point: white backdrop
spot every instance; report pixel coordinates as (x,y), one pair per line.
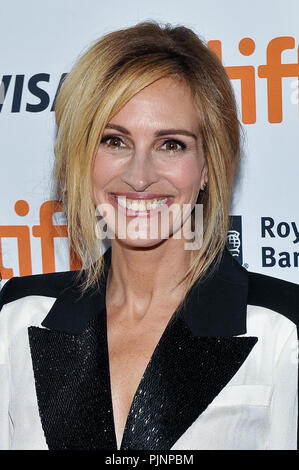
(40,41)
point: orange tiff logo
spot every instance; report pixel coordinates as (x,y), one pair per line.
(273,71)
(46,231)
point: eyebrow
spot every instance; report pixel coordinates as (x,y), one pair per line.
(157,133)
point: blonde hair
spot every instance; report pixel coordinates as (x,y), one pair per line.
(103,80)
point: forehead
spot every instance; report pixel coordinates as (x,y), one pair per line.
(166,101)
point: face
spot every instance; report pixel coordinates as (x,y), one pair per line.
(150,163)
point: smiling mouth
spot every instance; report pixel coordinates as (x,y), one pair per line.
(140,205)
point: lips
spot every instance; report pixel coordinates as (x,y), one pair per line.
(141,195)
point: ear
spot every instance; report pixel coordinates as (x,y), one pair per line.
(204,175)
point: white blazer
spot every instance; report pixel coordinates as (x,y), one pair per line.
(224,374)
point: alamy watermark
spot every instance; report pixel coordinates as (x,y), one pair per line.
(154,224)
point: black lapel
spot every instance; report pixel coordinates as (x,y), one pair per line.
(183,377)
(71,370)
(73,386)
(196,357)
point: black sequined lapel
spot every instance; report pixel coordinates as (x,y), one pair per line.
(183,377)
(73,386)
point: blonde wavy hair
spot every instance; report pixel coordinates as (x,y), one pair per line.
(102,81)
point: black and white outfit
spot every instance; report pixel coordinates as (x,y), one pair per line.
(224,374)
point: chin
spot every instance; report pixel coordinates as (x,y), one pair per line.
(140,242)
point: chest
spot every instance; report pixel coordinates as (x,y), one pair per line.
(130,350)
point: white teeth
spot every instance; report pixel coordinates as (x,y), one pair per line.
(140,205)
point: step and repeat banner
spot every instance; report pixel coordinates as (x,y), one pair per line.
(258,43)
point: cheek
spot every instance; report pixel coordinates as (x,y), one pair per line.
(103,172)
(187,176)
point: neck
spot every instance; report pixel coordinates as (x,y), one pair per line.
(143,279)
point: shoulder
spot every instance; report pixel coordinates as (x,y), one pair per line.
(277,295)
(273,316)
(26,301)
(45,285)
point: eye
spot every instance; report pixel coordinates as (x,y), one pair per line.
(173,145)
(116,141)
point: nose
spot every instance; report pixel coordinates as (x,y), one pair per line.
(140,172)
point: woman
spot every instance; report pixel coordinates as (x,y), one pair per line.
(165,341)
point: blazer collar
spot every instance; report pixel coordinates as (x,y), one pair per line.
(216,306)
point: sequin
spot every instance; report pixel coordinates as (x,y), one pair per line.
(178,385)
(72,385)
